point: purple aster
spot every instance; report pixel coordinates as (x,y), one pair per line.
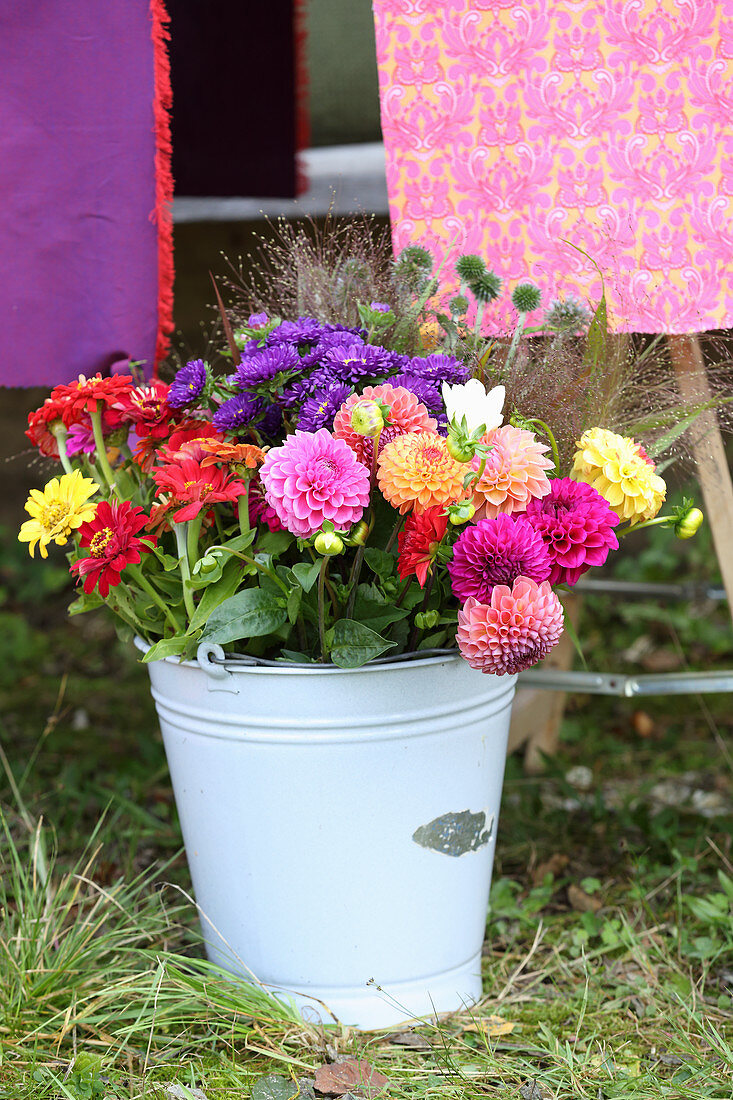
(425,390)
(380,307)
(257,320)
(440,368)
(265,364)
(188,384)
(355,361)
(306,330)
(338,338)
(576,525)
(497,551)
(271,421)
(238,412)
(319,410)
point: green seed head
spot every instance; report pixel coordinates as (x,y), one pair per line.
(526,297)
(469,268)
(487,287)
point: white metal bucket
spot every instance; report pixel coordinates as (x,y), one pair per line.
(340,825)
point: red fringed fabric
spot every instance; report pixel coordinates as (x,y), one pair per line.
(162,215)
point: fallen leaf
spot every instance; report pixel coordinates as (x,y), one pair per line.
(554,866)
(643,723)
(582,902)
(352,1075)
(490,1026)
(408,1039)
(272,1087)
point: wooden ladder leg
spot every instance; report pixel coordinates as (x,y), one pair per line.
(709,453)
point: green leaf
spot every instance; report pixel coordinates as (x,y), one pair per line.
(84,602)
(250,614)
(166,647)
(670,437)
(274,1087)
(306,574)
(293,605)
(373,608)
(217,593)
(166,560)
(354,644)
(296,656)
(273,542)
(380,562)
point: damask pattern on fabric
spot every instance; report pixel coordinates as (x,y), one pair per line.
(513,128)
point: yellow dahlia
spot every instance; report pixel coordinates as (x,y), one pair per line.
(619,470)
(55,512)
(416,470)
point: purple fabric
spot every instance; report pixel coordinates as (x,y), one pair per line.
(77,188)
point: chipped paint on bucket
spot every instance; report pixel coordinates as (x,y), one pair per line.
(315,805)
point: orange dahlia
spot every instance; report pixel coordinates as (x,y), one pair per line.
(514,473)
(416,470)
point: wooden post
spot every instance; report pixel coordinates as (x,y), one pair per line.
(709,453)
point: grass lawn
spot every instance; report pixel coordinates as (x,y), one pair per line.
(608,960)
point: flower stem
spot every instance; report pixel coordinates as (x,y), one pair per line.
(666,521)
(101,451)
(354,580)
(192,539)
(136,572)
(243,510)
(322,608)
(393,536)
(416,630)
(179,530)
(60,433)
(515,340)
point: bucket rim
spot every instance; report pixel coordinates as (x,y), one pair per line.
(233,666)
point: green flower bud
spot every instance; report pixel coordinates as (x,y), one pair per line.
(460,447)
(328,543)
(469,268)
(458,305)
(209,563)
(526,297)
(688,524)
(461,512)
(486,288)
(426,620)
(360,533)
(367,418)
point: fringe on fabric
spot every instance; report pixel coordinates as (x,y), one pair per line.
(300,90)
(162,215)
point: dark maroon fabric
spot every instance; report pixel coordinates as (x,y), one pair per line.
(79,252)
(233,78)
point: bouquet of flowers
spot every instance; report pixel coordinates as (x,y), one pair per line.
(335,492)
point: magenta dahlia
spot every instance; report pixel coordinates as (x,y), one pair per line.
(497,551)
(512,632)
(576,525)
(312,478)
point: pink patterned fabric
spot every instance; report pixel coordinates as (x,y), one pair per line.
(513,127)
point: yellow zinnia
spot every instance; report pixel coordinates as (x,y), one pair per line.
(618,469)
(57,511)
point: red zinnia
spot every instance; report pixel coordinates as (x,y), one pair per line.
(39,427)
(146,408)
(188,484)
(112,543)
(87,395)
(188,441)
(418,542)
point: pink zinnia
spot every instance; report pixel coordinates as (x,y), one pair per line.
(497,551)
(514,631)
(312,478)
(406,414)
(576,525)
(514,473)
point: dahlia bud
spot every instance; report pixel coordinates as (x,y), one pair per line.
(328,543)
(360,533)
(461,512)
(688,524)
(367,418)
(460,447)
(526,297)
(426,620)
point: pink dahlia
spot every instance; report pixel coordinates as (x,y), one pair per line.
(497,551)
(314,477)
(406,414)
(512,632)
(576,525)
(514,473)
(259,510)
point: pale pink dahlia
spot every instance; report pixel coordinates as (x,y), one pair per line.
(514,473)
(576,525)
(406,414)
(497,551)
(314,477)
(512,632)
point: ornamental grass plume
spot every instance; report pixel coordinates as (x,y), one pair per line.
(112,542)
(417,471)
(517,628)
(406,414)
(576,525)
(312,478)
(514,472)
(614,466)
(497,551)
(57,511)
